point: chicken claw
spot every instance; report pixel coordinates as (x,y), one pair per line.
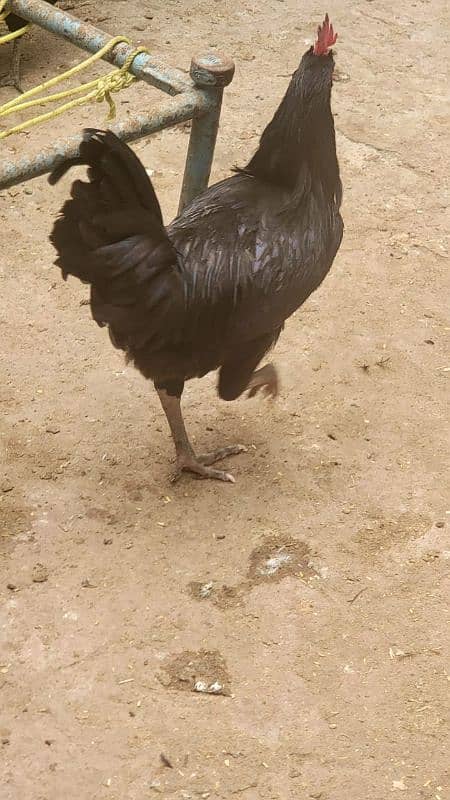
(266,379)
(200,465)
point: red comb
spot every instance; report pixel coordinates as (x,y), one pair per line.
(326,37)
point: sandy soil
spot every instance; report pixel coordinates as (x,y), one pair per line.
(310,596)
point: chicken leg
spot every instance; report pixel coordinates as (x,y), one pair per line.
(12,78)
(186,458)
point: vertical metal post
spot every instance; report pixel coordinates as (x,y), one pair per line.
(210,74)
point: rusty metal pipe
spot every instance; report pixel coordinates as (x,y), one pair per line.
(210,74)
(169,112)
(88,37)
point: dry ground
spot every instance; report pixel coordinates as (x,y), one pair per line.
(313,592)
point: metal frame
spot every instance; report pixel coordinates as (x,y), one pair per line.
(198,97)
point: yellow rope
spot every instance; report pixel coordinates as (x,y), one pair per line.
(97,90)
(15,34)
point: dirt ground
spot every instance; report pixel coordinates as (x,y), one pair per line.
(283,638)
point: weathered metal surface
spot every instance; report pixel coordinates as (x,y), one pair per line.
(199,98)
(169,112)
(92,39)
(201,150)
(211,72)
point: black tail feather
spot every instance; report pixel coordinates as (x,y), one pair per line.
(110,234)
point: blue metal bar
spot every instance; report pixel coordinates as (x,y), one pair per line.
(200,99)
(210,74)
(200,151)
(170,112)
(92,39)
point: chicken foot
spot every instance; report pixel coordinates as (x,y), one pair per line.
(186,459)
(12,78)
(266,379)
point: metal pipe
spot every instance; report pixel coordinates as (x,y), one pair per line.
(210,74)
(169,112)
(92,39)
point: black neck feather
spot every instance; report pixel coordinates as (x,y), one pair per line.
(301,134)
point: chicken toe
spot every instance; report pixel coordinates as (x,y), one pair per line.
(191,464)
(223,452)
(265,379)
(200,465)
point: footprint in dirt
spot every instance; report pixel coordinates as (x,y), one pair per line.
(381,533)
(275,559)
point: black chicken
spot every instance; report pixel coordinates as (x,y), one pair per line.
(12,78)
(213,290)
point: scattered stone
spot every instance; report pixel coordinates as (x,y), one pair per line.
(211,688)
(202,671)
(40,573)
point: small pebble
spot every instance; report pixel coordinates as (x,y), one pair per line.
(12,587)
(341,76)
(40,573)
(166,761)
(208,688)
(440,524)
(220,536)
(7,486)
(107,541)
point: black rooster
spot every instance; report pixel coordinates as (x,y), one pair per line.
(12,78)
(213,290)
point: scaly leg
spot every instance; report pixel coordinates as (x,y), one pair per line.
(13,76)
(265,378)
(186,458)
